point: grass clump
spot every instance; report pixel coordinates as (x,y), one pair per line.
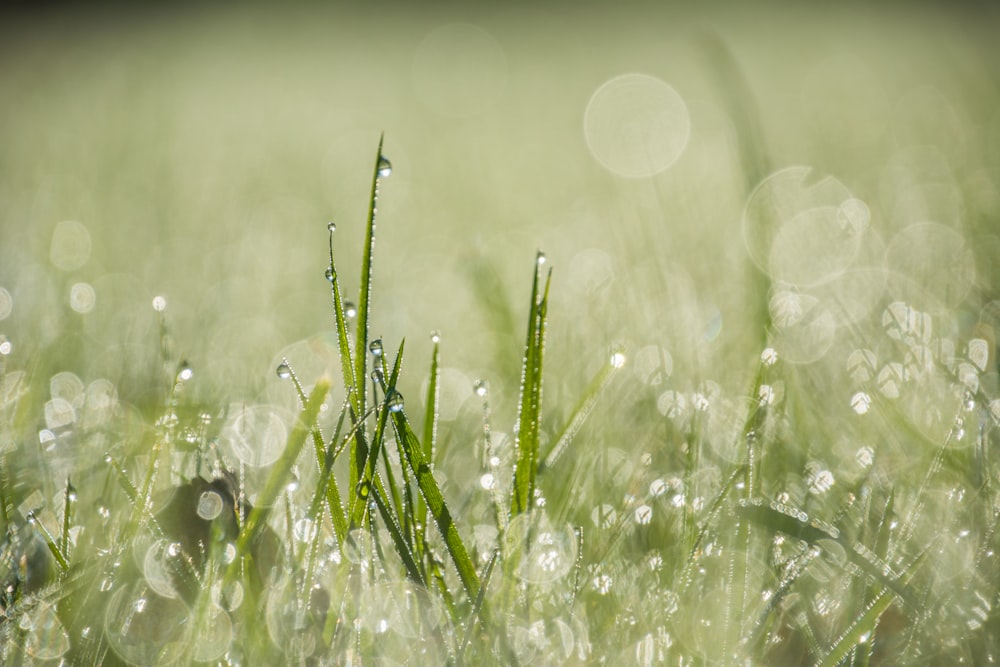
(239,535)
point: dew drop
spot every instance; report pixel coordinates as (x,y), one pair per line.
(861,365)
(331,226)
(979,352)
(304,530)
(487,481)
(604,516)
(384,166)
(185,372)
(283,370)
(480,387)
(657,488)
(643,515)
(209,505)
(769,356)
(602,584)
(617,360)
(394,400)
(82,298)
(159,304)
(5,346)
(350,310)
(375,347)
(435,336)
(861,402)
(330,275)
(540,258)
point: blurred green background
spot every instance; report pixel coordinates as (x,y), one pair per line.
(198,153)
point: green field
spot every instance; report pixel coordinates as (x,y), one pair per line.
(748,418)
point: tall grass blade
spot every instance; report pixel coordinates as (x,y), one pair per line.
(365,298)
(530,408)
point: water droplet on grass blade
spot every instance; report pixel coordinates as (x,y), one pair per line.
(350,310)
(384,166)
(209,505)
(375,347)
(487,481)
(617,359)
(329,274)
(480,387)
(394,400)
(185,372)
(643,515)
(5,346)
(435,336)
(861,402)
(331,226)
(159,304)
(283,370)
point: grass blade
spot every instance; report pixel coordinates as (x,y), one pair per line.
(478,606)
(530,408)
(412,452)
(364,303)
(580,413)
(282,468)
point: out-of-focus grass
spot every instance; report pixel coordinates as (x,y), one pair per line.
(795,463)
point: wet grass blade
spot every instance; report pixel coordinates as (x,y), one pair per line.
(365,295)
(329,482)
(412,453)
(398,539)
(430,430)
(282,469)
(530,407)
(478,606)
(583,409)
(863,626)
(359,504)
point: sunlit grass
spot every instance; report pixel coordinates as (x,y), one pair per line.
(743,410)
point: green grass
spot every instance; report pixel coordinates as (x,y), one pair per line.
(700,458)
(546,566)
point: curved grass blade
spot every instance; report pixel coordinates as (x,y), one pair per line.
(412,452)
(530,402)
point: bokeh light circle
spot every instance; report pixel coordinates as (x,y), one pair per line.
(459,70)
(82,297)
(930,266)
(71,245)
(636,125)
(802,228)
